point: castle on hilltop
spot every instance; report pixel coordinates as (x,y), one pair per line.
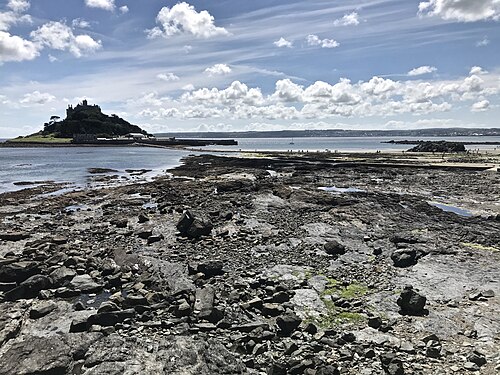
(83,106)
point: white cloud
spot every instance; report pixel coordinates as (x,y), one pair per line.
(477,70)
(188,87)
(52,58)
(187,48)
(377,97)
(426,69)
(18,6)
(183,18)
(37,98)
(101,4)
(124,9)
(15,48)
(461,10)
(9,18)
(483,42)
(59,36)
(282,42)
(287,91)
(314,40)
(167,77)
(80,23)
(350,19)
(480,106)
(218,69)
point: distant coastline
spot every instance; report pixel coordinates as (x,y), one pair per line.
(428,132)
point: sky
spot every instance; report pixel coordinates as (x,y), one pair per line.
(238,65)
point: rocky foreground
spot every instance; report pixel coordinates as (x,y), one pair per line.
(258,266)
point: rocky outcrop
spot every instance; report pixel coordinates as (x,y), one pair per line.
(438,146)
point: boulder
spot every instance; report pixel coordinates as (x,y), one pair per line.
(29,288)
(18,272)
(334,248)
(108,319)
(211,268)
(288,323)
(193,225)
(411,303)
(62,276)
(204,303)
(404,258)
(84,283)
(391,364)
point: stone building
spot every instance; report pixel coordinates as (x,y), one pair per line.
(83,106)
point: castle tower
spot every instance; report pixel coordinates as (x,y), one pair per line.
(84,103)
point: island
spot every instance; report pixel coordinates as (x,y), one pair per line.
(86,124)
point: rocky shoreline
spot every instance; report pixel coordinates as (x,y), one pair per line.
(256,265)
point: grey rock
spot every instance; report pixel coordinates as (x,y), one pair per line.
(62,276)
(204,302)
(41,309)
(84,283)
(37,355)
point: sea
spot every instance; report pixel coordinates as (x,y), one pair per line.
(71,165)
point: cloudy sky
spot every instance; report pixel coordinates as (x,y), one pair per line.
(252,65)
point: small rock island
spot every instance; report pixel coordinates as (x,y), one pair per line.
(86,124)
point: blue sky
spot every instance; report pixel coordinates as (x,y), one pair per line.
(252,65)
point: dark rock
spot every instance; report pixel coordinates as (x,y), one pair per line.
(193,225)
(477,357)
(211,268)
(78,325)
(110,318)
(18,272)
(119,223)
(29,288)
(135,300)
(411,302)
(328,370)
(404,257)
(272,309)
(143,218)
(144,234)
(108,306)
(13,236)
(153,239)
(334,248)
(288,323)
(42,309)
(4,287)
(438,146)
(79,306)
(391,364)
(374,321)
(184,309)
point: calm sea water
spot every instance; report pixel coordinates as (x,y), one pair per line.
(342,143)
(70,164)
